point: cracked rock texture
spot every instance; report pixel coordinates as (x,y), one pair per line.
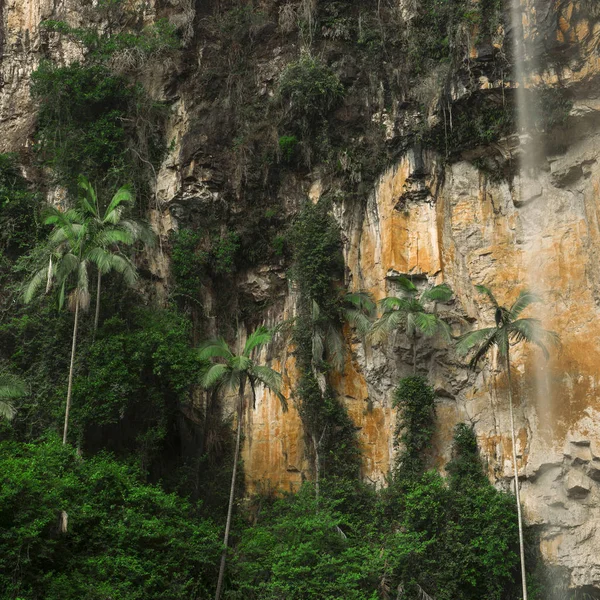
(437,222)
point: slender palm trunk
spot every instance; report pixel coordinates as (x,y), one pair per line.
(516,475)
(317,468)
(70,386)
(240,411)
(97,315)
(414,345)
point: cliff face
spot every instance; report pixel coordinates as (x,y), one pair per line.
(434,219)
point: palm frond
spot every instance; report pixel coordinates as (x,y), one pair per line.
(140,231)
(531,330)
(114,235)
(67,265)
(241,363)
(334,346)
(258,338)
(87,196)
(472,339)
(358,309)
(393,303)
(487,292)
(387,324)
(318,344)
(11,387)
(358,320)
(7,410)
(425,323)
(214,376)
(268,377)
(271,379)
(36,282)
(444,329)
(439,293)
(525,299)
(486,345)
(362,301)
(122,195)
(406,285)
(61,296)
(216,348)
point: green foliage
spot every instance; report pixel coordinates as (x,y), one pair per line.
(435,32)
(454,538)
(19,226)
(287,147)
(310,90)
(477,123)
(125,539)
(188,262)
(196,254)
(468,528)
(157,38)
(318,263)
(224,252)
(93,122)
(138,372)
(317,251)
(301,551)
(415,401)
(554,106)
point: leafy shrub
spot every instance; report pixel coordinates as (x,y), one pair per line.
(188,262)
(90,119)
(415,402)
(301,551)
(287,147)
(159,37)
(138,372)
(125,539)
(310,89)
(317,249)
(18,209)
(224,251)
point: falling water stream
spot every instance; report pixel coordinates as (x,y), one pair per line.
(528,193)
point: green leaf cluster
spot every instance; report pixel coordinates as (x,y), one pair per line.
(450,538)
(19,206)
(125,540)
(415,401)
(310,90)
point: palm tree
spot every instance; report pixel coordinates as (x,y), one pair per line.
(109,230)
(408,312)
(234,371)
(74,244)
(10,388)
(68,249)
(509,329)
(354,308)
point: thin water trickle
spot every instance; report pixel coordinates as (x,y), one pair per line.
(531,205)
(529,189)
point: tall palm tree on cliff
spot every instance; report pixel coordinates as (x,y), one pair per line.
(328,344)
(234,371)
(408,312)
(74,245)
(110,231)
(509,329)
(10,388)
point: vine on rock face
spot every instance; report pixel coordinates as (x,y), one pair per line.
(318,264)
(415,400)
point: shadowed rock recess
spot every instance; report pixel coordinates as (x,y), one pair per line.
(419,158)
